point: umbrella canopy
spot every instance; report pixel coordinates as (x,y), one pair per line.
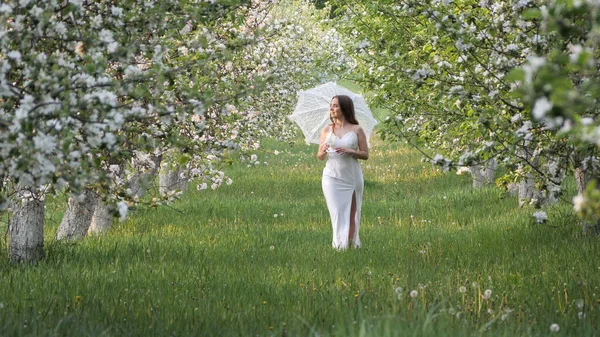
(312,110)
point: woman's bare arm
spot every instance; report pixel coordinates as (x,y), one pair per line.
(323,146)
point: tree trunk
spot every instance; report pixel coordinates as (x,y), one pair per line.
(513,189)
(102,219)
(490,170)
(483,174)
(478,179)
(26,228)
(170,180)
(591,229)
(141,182)
(78,217)
(528,194)
(582,179)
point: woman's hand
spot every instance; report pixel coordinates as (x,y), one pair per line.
(323,148)
(345,150)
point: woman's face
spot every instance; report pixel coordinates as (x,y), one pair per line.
(334,109)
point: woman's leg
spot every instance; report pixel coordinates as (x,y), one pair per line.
(352,220)
(336,196)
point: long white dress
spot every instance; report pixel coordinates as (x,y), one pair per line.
(342,177)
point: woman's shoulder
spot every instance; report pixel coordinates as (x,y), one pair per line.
(358,128)
(326,128)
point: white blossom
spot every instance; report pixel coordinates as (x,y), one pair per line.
(112,47)
(540,216)
(60,28)
(106,36)
(97,21)
(541,107)
(5,8)
(578,202)
(462,170)
(117,11)
(15,55)
(44,143)
(114,169)
(123,209)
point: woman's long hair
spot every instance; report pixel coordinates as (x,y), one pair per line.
(347,107)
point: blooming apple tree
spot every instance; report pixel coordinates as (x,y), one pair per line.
(84,85)
(462,79)
(91,92)
(299,49)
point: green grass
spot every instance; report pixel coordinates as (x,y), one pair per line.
(219,263)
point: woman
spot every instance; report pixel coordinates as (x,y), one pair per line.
(343,142)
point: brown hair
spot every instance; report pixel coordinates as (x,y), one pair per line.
(347,107)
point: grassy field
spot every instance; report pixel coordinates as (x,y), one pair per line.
(255,259)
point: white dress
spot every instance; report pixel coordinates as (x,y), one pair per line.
(342,176)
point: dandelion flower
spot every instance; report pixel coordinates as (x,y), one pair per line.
(487,294)
(414,293)
(398,290)
(554,327)
(462,289)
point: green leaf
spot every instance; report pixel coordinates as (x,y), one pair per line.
(516,74)
(184,159)
(532,14)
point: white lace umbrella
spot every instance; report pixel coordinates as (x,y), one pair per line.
(312,110)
